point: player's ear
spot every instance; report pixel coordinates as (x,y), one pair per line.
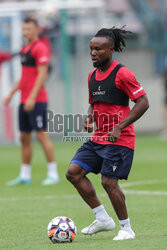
(111,49)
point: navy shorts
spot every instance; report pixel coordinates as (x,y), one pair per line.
(113,161)
(33,120)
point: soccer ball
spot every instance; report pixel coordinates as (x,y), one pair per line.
(61,229)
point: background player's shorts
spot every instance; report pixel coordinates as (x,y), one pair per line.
(113,161)
(33,120)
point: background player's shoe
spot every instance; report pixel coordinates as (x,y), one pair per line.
(19,181)
(98,226)
(50,181)
(125,235)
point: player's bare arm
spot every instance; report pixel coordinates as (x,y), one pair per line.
(140,107)
(41,78)
(88,123)
(8,98)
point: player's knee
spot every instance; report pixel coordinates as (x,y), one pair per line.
(105,184)
(24,138)
(39,136)
(109,184)
(73,174)
(70,175)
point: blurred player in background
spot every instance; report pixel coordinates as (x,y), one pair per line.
(32,115)
(110,150)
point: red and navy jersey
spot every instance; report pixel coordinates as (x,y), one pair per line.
(32,56)
(107,115)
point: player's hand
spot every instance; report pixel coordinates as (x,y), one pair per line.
(7,100)
(88,124)
(114,135)
(29,104)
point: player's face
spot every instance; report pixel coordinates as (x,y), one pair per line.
(100,51)
(30,31)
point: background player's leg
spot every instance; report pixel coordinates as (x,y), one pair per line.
(26,153)
(47,145)
(26,147)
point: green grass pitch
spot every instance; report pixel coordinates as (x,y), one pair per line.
(26,210)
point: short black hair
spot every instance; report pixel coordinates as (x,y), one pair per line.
(30,20)
(117,36)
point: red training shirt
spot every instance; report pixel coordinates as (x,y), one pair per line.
(29,73)
(125,80)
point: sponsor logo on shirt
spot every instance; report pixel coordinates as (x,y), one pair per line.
(99,92)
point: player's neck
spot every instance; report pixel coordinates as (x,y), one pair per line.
(105,67)
(31,40)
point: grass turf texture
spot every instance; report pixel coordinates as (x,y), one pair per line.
(26,210)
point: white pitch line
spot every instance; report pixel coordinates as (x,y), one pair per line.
(143,182)
(54,197)
(50,197)
(70,196)
(145,192)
